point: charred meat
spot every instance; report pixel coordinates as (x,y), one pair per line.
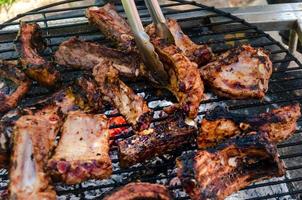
(134,191)
(80,54)
(236,163)
(112,25)
(200,54)
(129,104)
(13,85)
(239,73)
(166,136)
(34,137)
(83,149)
(220,124)
(185,81)
(34,65)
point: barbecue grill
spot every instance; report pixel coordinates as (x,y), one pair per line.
(198,21)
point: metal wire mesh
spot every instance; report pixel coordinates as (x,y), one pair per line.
(203,24)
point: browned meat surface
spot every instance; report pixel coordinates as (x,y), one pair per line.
(229,167)
(13,85)
(200,54)
(166,136)
(129,104)
(112,25)
(80,54)
(35,66)
(135,191)
(83,149)
(239,73)
(220,124)
(34,137)
(185,81)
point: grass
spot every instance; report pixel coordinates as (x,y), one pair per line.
(6,2)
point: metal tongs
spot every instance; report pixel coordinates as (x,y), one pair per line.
(147,51)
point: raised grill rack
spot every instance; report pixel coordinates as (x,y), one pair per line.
(198,22)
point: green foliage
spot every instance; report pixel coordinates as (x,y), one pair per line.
(6,2)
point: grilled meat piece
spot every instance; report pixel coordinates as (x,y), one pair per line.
(220,124)
(33,139)
(166,136)
(229,167)
(112,25)
(200,54)
(80,54)
(129,104)
(83,149)
(13,85)
(134,191)
(34,65)
(239,73)
(185,81)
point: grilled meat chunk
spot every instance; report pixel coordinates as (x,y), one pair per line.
(79,54)
(13,85)
(129,104)
(185,81)
(229,167)
(166,136)
(34,137)
(83,149)
(112,25)
(200,54)
(220,124)
(34,65)
(134,191)
(239,73)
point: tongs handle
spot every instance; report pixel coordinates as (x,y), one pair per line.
(159,20)
(147,51)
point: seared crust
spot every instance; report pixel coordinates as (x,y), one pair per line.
(35,66)
(220,124)
(239,73)
(129,104)
(231,166)
(80,54)
(200,54)
(185,81)
(34,137)
(134,191)
(83,149)
(13,85)
(112,25)
(166,136)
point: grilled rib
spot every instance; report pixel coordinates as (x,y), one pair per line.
(13,85)
(134,191)
(34,137)
(80,54)
(239,73)
(229,167)
(83,149)
(34,65)
(200,54)
(166,136)
(220,124)
(112,25)
(129,104)
(185,81)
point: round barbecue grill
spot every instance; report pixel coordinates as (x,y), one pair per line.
(203,24)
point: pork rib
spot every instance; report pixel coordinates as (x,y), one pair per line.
(134,191)
(236,163)
(34,137)
(220,124)
(34,65)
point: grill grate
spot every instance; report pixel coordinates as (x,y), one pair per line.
(203,24)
